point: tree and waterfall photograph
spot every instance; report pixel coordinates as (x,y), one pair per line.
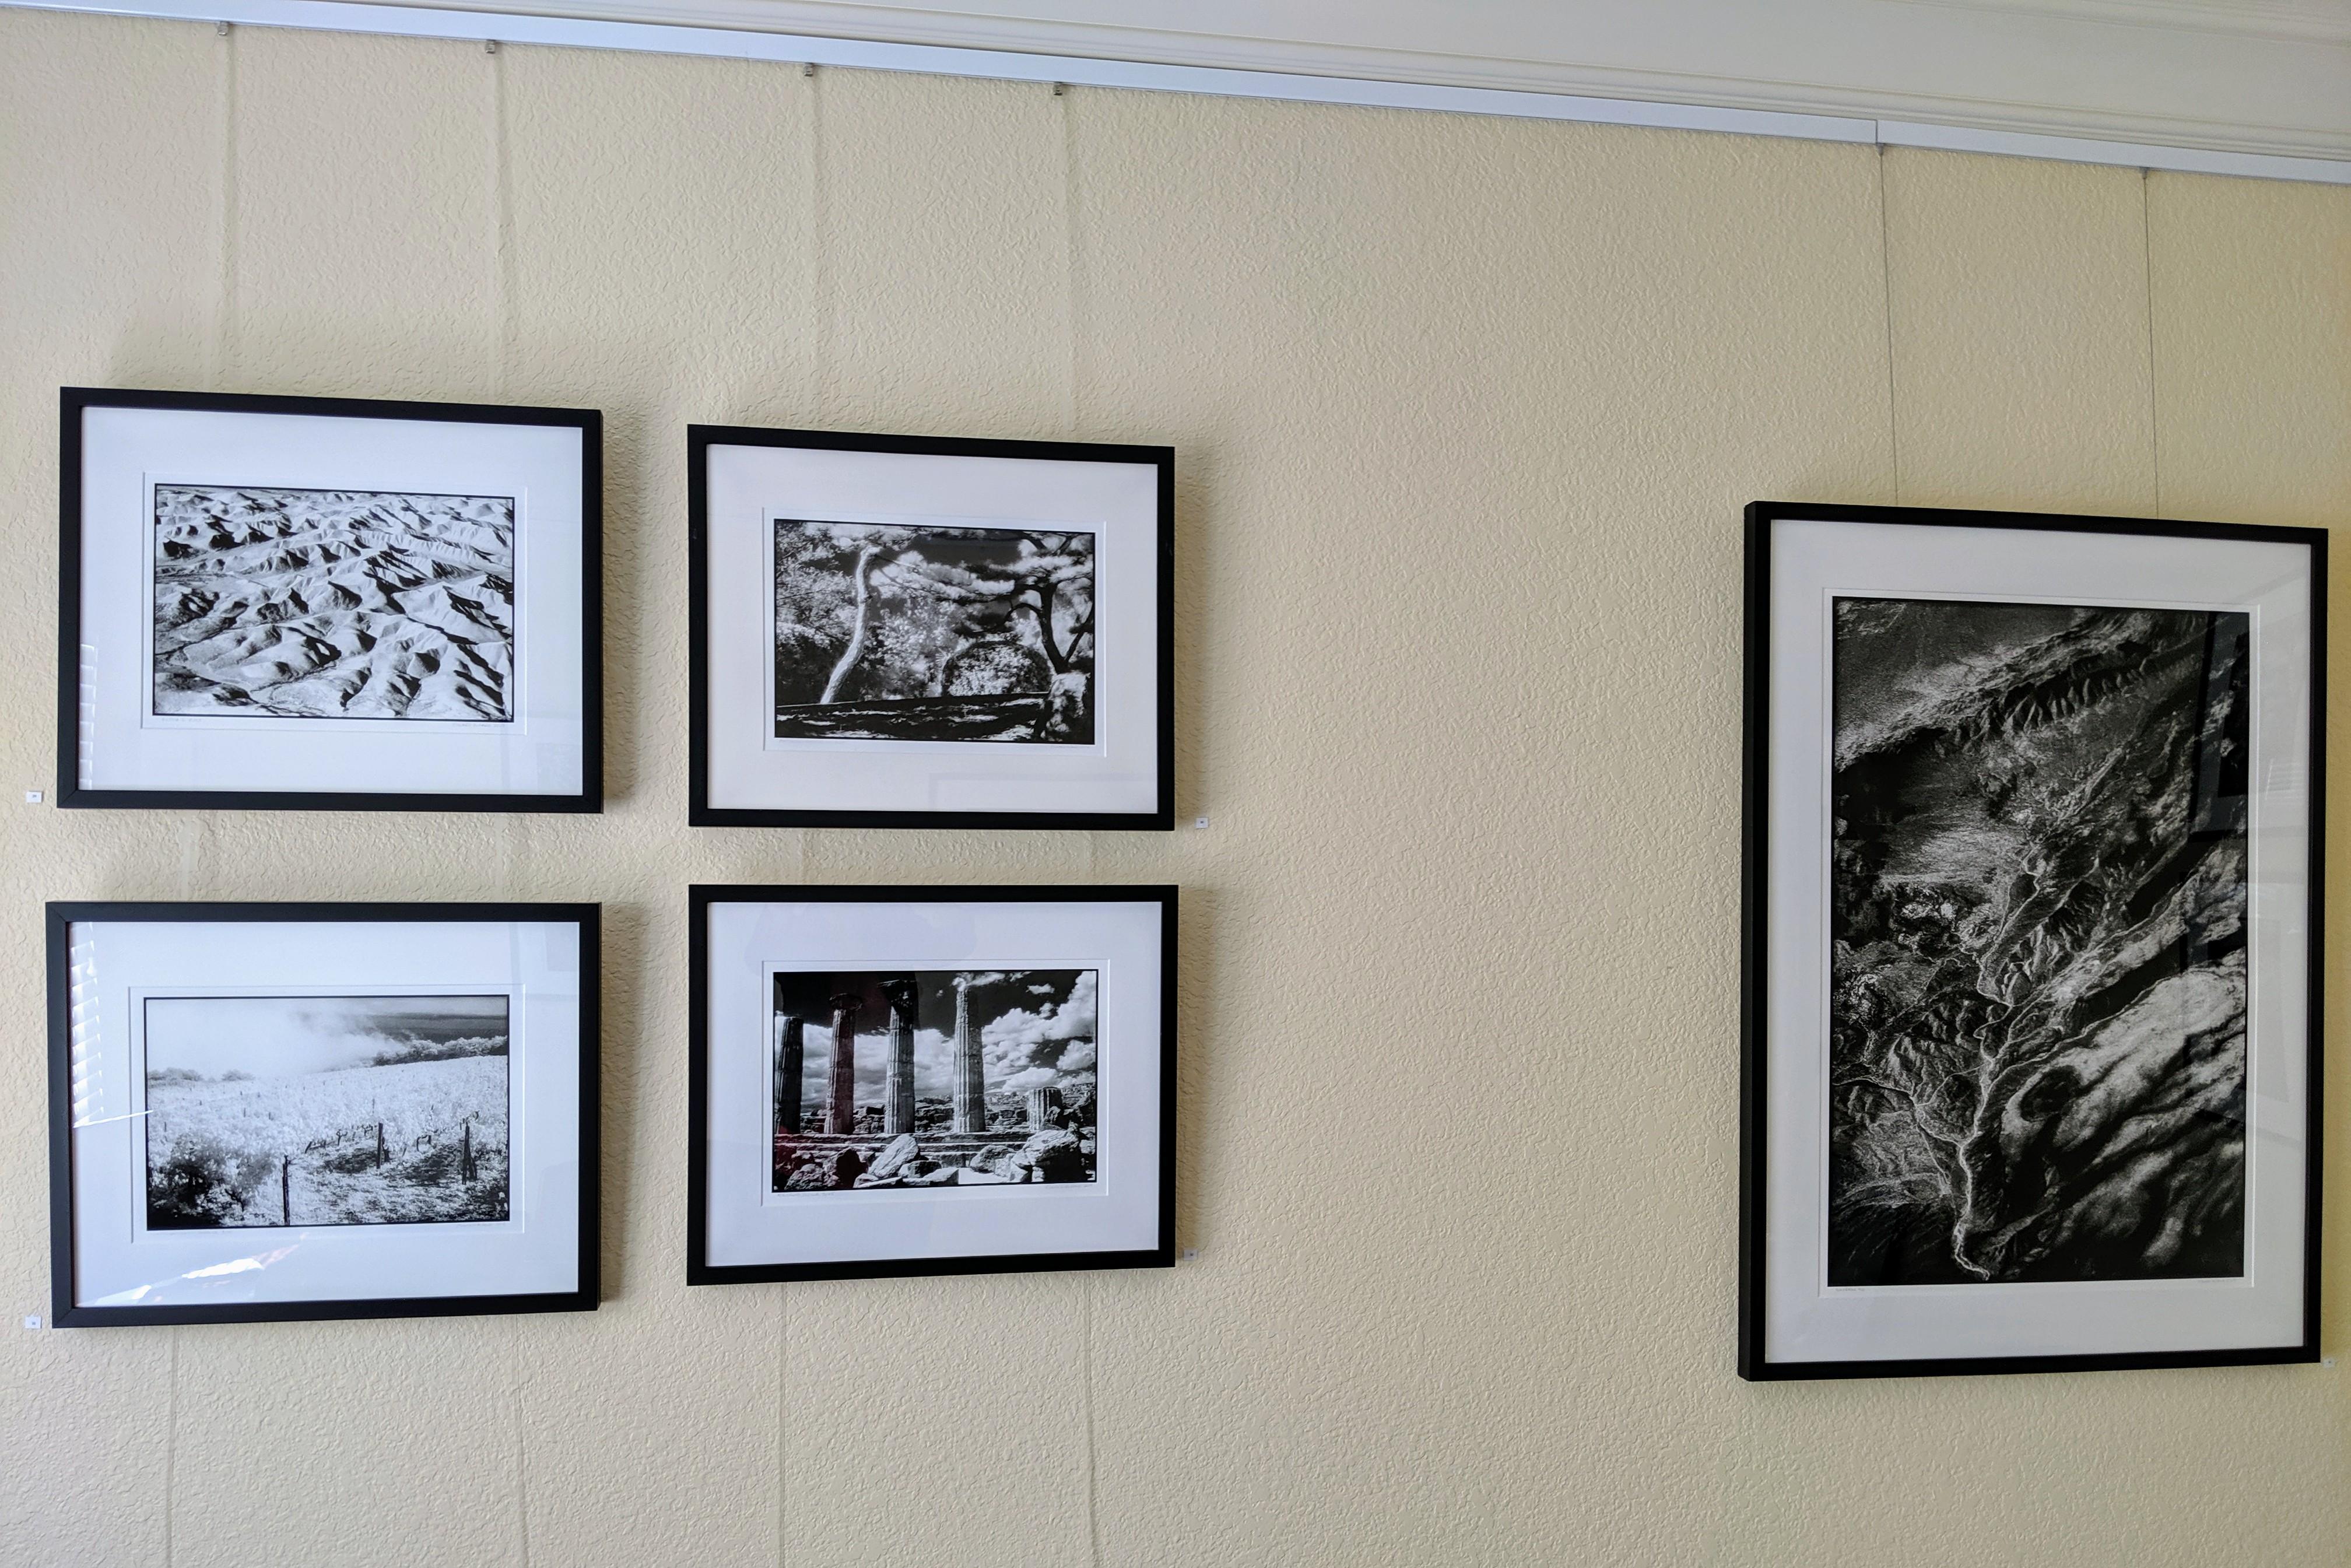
(278,1111)
(933,633)
(2038,884)
(934,1078)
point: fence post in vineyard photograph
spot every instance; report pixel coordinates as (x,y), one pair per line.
(414,1135)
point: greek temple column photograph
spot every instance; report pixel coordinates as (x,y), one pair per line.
(933,1078)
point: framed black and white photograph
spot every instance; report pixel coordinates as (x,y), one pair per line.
(930,1081)
(906,632)
(293,603)
(2033,920)
(270,1112)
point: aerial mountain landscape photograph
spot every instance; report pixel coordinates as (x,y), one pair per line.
(2039,972)
(325,604)
(922,632)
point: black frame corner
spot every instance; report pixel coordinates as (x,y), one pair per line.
(71,794)
(1754,1362)
(700,1271)
(701,813)
(64,1310)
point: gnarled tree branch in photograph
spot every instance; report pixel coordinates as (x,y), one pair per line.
(908,633)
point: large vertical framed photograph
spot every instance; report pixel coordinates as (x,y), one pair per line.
(893,630)
(894,1081)
(269,1112)
(296,603)
(2032,916)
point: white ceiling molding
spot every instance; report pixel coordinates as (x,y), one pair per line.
(2323,21)
(2259,88)
(2191,73)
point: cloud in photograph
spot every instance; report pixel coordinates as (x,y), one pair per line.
(1016,1040)
(276,1037)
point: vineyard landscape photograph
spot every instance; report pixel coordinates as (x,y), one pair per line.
(277,1111)
(907,632)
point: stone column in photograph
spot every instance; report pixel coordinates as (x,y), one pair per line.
(970,1073)
(1043,1101)
(790,1057)
(898,1092)
(840,1099)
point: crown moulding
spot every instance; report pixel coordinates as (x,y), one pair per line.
(2247,86)
(2322,21)
(2253,75)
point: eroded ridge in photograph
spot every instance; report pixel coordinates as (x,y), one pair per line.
(2038,888)
(292,1111)
(933,633)
(933,1078)
(369,604)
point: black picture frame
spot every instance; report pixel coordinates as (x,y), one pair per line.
(701,813)
(74,402)
(1754,1364)
(700,1271)
(66,1313)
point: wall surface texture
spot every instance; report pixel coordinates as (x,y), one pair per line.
(1466,411)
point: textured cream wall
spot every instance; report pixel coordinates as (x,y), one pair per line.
(1466,411)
